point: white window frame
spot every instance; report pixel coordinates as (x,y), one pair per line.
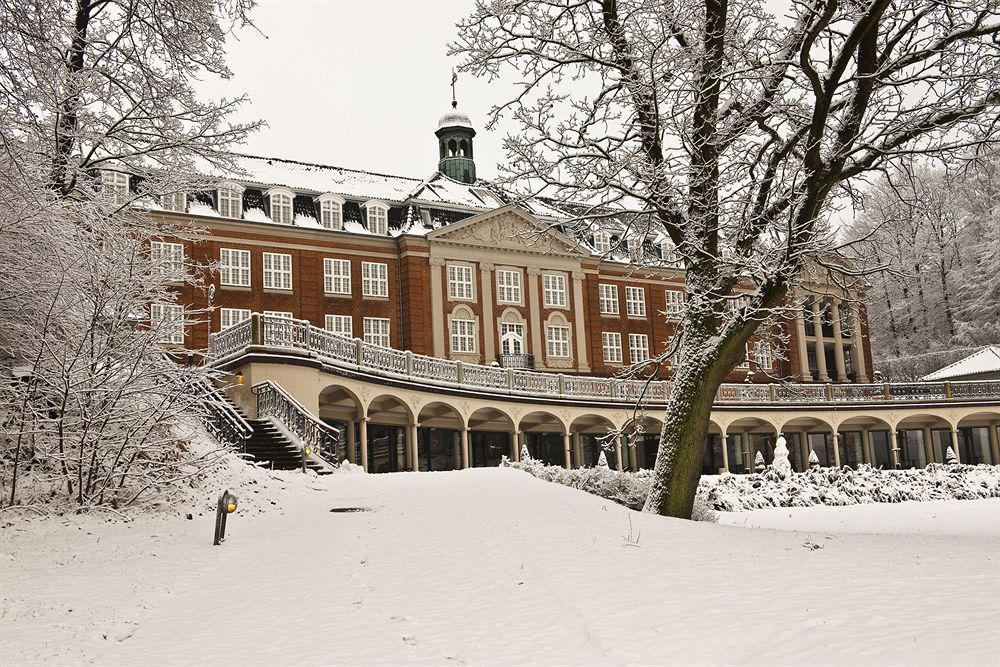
(279,313)
(168,258)
(282,212)
(377,218)
(331,211)
(635,301)
(463,336)
(173,313)
(512,330)
(375,279)
(602,241)
(557,347)
(234,273)
(607,294)
(230,200)
(638,347)
(746,357)
(611,345)
(554,290)
(763,355)
(174,201)
(116,183)
(336,275)
(339,325)
(461,283)
(277,271)
(376,331)
(668,251)
(509,286)
(674,304)
(229,317)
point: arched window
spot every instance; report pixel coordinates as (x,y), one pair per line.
(281,205)
(378,217)
(557,337)
(331,211)
(230,197)
(462,324)
(512,328)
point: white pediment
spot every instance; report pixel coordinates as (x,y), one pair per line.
(508,228)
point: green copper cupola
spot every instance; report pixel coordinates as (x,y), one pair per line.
(455,133)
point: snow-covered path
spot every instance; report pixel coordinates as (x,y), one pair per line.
(492,566)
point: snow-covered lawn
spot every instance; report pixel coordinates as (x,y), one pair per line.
(492,566)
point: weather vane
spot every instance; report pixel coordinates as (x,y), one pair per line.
(454,78)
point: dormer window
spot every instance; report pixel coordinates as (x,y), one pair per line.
(378,218)
(230,200)
(281,205)
(115,184)
(602,241)
(175,201)
(668,251)
(331,211)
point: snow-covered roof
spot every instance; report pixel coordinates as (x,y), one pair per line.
(986,360)
(440,189)
(455,118)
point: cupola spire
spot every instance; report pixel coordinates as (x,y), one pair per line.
(455,134)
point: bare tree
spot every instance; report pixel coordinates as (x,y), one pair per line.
(735,133)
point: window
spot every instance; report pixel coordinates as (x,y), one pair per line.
(602,241)
(374,279)
(763,355)
(675,304)
(511,338)
(557,341)
(746,357)
(377,331)
(278,313)
(611,342)
(737,305)
(459,281)
(341,325)
(167,322)
(331,212)
(635,301)
(168,258)
(277,271)
(115,184)
(378,218)
(281,206)
(638,347)
(508,286)
(230,201)
(635,247)
(234,267)
(336,276)
(609,299)
(555,290)
(668,251)
(175,201)
(463,336)
(232,316)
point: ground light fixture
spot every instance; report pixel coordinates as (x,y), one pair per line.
(227,505)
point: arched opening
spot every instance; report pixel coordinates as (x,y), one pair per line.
(747,437)
(865,439)
(640,441)
(463,149)
(442,147)
(388,419)
(713,461)
(545,436)
(978,439)
(341,407)
(591,435)
(452,148)
(804,435)
(491,437)
(922,439)
(439,437)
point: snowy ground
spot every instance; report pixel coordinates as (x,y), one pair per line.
(492,566)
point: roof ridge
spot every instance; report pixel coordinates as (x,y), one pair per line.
(991,349)
(325,166)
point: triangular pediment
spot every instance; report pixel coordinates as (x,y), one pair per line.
(508,228)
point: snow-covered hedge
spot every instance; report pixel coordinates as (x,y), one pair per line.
(844,486)
(625,488)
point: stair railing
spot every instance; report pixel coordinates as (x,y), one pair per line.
(316,435)
(223,421)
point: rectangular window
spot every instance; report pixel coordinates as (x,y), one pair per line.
(331,214)
(234,267)
(284,314)
(557,341)
(508,286)
(763,355)
(336,276)
(175,201)
(277,271)
(281,208)
(602,242)
(230,202)
(638,348)
(376,331)
(115,184)
(463,336)
(635,301)
(168,259)
(675,304)
(609,299)
(167,322)
(378,220)
(342,325)
(554,290)
(459,281)
(374,279)
(611,342)
(232,316)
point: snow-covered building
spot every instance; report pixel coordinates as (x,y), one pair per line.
(981,365)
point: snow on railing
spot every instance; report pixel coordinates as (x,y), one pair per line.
(266,331)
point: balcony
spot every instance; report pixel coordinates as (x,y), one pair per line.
(517,361)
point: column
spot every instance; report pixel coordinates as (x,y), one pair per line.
(633,457)
(894,442)
(456,451)
(351,444)
(488,319)
(579,315)
(820,349)
(929,444)
(804,446)
(515,445)
(836,448)
(363,438)
(535,317)
(567,461)
(413,447)
(954,443)
(994,432)
(618,451)
(800,335)
(437,306)
(725,451)
(866,447)
(859,347)
(466,459)
(838,341)
(578,450)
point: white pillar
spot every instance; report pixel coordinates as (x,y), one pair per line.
(866,447)
(618,452)
(954,443)
(567,460)
(437,306)
(860,367)
(363,437)
(725,451)
(819,347)
(351,444)
(535,317)
(488,322)
(515,445)
(578,320)
(578,449)
(928,438)
(838,341)
(800,335)
(836,448)
(994,432)
(466,458)
(805,448)
(413,447)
